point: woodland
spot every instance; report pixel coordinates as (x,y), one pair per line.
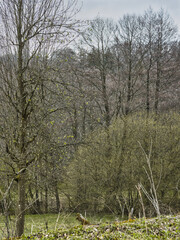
(89,112)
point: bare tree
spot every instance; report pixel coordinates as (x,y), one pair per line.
(165,33)
(159,63)
(99,39)
(128,44)
(29,27)
(148,59)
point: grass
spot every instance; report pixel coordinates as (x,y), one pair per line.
(51,222)
(67,227)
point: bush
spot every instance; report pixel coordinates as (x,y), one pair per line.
(104,172)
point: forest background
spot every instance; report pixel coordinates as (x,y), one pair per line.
(89,112)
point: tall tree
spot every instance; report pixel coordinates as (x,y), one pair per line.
(99,38)
(165,34)
(128,42)
(28,26)
(148,59)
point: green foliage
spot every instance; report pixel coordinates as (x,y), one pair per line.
(104,172)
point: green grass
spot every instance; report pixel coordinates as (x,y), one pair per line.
(50,222)
(65,226)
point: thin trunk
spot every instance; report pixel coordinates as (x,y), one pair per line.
(58,207)
(105,98)
(46,199)
(157,89)
(23,125)
(21,205)
(84,121)
(5,209)
(129,88)
(128,95)
(148,92)
(75,123)
(30,193)
(38,206)
(159,71)
(103,75)
(150,62)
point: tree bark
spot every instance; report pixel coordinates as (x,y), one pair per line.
(21,205)
(157,89)
(57,198)
(46,199)
(129,85)
(23,124)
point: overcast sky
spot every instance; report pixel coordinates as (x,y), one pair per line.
(117,8)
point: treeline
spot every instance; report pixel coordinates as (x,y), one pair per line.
(78,123)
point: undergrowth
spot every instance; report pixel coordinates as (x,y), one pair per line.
(164,227)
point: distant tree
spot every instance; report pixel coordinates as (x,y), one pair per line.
(159,62)
(148,59)
(99,39)
(165,34)
(129,57)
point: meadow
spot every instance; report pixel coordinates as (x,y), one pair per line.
(50,222)
(65,226)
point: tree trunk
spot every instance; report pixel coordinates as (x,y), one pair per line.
(105,99)
(38,205)
(46,199)
(157,90)
(148,91)
(21,205)
(128,92)
(57,198)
